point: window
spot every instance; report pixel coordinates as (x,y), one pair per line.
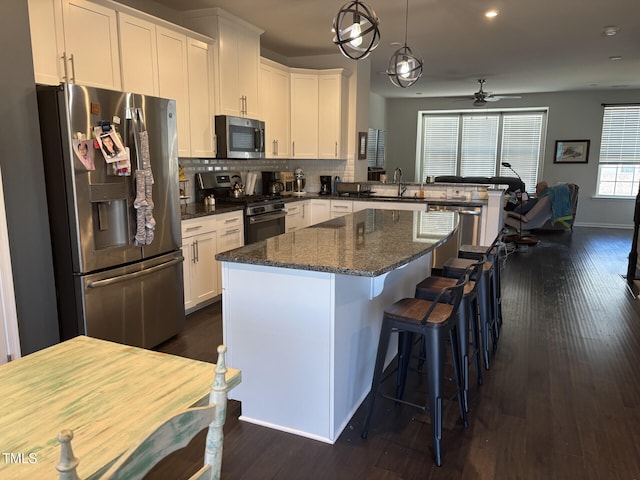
(375,148)
(619,164)
(475,144)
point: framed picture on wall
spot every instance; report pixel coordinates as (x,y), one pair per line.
(572,151)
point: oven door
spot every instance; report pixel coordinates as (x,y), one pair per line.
(266,225)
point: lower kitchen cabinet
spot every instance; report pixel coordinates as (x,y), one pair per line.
(319,211)
(202,238)
(295,216)
(340,208)
(230,235)
(199,246)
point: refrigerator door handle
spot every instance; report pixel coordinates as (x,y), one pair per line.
(130,276)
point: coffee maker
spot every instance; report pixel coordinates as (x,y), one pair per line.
(271,184)
(325,184)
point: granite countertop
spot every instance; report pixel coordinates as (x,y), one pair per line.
(195,210)
(368,243)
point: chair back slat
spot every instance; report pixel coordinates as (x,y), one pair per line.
(453,294)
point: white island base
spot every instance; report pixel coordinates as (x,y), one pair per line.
(306,341)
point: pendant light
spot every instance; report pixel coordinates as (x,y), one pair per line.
(356,29)
(404,67)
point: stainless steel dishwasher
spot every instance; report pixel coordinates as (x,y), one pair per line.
(468,231)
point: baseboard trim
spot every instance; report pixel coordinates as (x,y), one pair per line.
(603,225)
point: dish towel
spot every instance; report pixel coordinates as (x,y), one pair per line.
(143,203)
(561,209)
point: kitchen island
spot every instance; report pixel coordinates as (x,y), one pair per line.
(302,313)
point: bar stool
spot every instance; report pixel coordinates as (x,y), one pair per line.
(434,321)
(455,268)
(429,289)
(492,252)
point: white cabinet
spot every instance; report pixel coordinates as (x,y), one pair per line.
(386,205)
(332,115)
(199,246)
(340,208)
(174,81)
(319,211)
(230,231)
(295,216)
(47,40)
(304,115)
(319,113)
(275,91)
(239,65)
(83,39)
(139,55)
(200,74)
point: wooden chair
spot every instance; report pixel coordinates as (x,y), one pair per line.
(173,434)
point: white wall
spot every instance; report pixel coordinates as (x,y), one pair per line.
(572,116)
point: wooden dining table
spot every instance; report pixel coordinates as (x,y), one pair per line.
(110,395)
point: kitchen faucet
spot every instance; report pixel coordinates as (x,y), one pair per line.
(397,178)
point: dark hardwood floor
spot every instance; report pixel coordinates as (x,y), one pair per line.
(561,400)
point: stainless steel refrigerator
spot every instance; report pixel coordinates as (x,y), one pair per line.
(111,282)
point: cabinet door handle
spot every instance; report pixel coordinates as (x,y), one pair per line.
(336,149)
(64,66)
(197,255)
(73,69)
(293,149)
(197,227)
(193,252)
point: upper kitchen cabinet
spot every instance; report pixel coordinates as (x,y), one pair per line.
(275,90)
(174,81)
(304,114)
(319,111)
(162,60)
(138,55)
(200,66)
(64,35)
(239,60)
(332,114)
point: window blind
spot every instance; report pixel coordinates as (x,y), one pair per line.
(620,142)
(521,146)
(472,144)
(440,145)
(479,145)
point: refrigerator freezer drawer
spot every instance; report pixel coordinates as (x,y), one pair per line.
(139,305)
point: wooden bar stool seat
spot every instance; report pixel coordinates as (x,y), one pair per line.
(455,268)
(435,321)
(429,289)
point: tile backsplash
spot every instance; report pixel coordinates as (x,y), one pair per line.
(312,169)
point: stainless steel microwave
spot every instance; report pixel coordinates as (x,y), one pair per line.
(239,137)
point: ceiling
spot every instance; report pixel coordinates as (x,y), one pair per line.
(531,46)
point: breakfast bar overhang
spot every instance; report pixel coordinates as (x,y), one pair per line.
(302,313)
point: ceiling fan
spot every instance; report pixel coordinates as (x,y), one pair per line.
(480,98)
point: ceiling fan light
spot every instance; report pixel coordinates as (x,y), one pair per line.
(357,30)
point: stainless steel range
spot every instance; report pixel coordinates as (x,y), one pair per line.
(264,215)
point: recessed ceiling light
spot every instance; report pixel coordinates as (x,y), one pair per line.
(615,57)
(610,31)
(491,13)
(395,44)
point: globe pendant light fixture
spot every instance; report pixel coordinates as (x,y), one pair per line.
(357,30)
(404,67)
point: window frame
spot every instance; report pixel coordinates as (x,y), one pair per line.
(461,113)
(612,144)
